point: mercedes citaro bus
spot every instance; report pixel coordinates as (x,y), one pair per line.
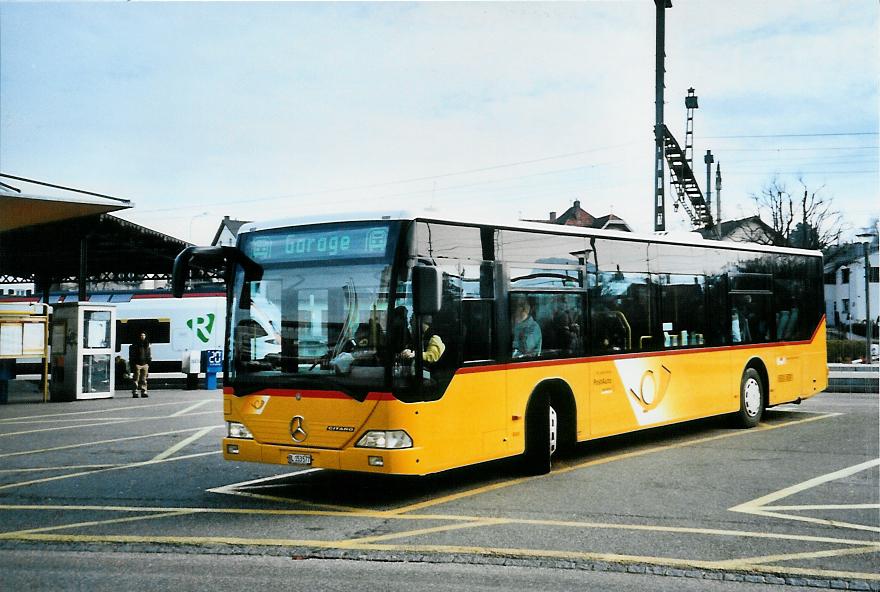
(551,335)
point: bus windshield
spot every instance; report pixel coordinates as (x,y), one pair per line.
(317,316)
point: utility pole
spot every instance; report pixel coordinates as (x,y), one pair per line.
(660,71)
(865,238)
(709,159)
(718,199)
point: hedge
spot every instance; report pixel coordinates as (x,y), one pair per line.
(844,350)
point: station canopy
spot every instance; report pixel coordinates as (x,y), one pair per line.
(19,211)
(49,240)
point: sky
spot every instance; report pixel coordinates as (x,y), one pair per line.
(504,110)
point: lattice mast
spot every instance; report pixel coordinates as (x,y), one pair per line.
(659,126)
(688,195)
(690,103)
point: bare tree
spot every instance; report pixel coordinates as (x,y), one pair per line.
(804,218)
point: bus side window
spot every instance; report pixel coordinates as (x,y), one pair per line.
(750,318)
(478,326)
(559,316)
(621,313)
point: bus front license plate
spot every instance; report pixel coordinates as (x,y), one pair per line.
(299,459)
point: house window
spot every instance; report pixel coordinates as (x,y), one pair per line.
(844,275)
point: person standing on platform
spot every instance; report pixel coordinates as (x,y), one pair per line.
(139,358)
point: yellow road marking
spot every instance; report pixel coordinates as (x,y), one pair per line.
(183,443)
(693,530)
(191,407)
(421,531)
(234,489)
(595,462)
(336,509)
(822,521)
(91,523)
(471,522)
(264,480)
(446,549)
(457,518)
(107,421)
(96,442)
(821,573)
(96,471)
(748,562)
(457,496)
(246,511)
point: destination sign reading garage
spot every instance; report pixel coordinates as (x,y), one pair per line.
(320,244)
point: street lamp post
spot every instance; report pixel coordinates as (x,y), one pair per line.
(191,220)
(865,239)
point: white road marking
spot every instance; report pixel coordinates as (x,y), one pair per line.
(191,407)
(96,442)
(184,442)
(95,472)
(93,411)
(761,505)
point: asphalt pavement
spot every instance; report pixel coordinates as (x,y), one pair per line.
(100,493)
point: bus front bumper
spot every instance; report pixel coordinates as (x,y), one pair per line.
(404,461)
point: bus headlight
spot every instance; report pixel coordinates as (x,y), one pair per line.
(385,439)
(238,430)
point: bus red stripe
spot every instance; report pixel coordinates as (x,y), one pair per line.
(628,356)
(306,394)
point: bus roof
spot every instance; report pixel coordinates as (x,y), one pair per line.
(682,238)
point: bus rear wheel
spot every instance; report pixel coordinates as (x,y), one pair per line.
(541,432)
(751,399)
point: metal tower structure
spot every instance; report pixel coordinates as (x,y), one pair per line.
(690,103)
(688,193)
(659,127)
(667,148)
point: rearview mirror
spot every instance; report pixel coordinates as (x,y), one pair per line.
(210,256)
(427,289)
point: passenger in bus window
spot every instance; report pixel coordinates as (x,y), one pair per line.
(565,326)
(432,345)
(739,321)
(139,358)
(527,338)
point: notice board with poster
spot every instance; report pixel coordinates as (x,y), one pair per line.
(24,334)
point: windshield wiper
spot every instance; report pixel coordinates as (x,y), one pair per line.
(344,341)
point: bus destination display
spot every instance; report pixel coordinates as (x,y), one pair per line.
(319,245)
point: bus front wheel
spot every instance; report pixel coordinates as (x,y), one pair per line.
(751,399)
(541,432)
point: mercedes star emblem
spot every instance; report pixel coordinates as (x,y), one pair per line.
(296,429)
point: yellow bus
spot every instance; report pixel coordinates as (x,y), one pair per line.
(407,344)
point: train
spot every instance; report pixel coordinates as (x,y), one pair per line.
(173,326)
